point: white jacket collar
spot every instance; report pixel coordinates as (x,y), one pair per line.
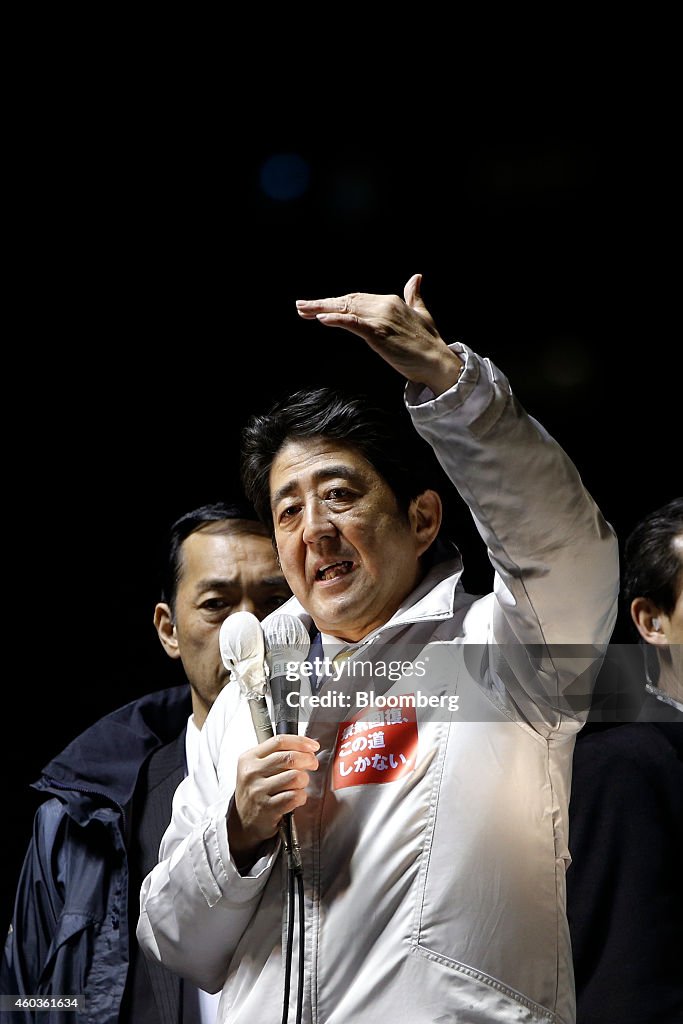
(433,598)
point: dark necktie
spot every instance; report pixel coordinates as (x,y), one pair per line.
(316,651)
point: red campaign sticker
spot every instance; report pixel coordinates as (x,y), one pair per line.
(380,746)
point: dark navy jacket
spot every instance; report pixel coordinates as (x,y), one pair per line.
(624,882)
(71,931)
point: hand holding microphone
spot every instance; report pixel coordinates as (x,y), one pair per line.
(272,777)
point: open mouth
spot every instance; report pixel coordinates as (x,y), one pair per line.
(334,570)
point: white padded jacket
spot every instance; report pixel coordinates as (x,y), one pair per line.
(434,839)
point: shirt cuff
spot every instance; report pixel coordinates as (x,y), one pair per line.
(470,396)
(215,870)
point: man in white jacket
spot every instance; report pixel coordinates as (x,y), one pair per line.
(433,834)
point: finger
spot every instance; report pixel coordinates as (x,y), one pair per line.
(309,308)
(283,761)
(254,798)
(347,320)
(283,803)
(271,813)
(411,293)
(286,741)
(286,781)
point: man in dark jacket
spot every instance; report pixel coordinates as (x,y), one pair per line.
(73,930)
(626,809)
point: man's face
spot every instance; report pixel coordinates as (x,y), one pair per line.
(223,570)
(348,552)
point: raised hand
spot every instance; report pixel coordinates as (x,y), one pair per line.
(401,331)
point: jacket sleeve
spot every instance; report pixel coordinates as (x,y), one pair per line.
(38,904)
(195,904)
(555,558)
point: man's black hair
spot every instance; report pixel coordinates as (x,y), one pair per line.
(652,565)
(386,439)
(189,523)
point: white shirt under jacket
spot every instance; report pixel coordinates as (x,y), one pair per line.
(437,895)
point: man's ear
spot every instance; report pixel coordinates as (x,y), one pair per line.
(425,513)
(164,625)
(648,619)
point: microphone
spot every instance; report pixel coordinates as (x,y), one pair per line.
(242,646)
(287,644)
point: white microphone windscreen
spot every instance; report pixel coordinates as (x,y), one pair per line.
(242,648)
(286,640)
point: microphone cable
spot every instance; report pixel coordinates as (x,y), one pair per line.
(295,881)
(242,647)
(287,645)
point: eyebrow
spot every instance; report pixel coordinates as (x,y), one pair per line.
(324,473)
(274,581)
(221,583)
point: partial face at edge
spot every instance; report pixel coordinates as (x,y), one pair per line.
(664,632)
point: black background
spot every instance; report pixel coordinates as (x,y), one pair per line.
(153,284)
